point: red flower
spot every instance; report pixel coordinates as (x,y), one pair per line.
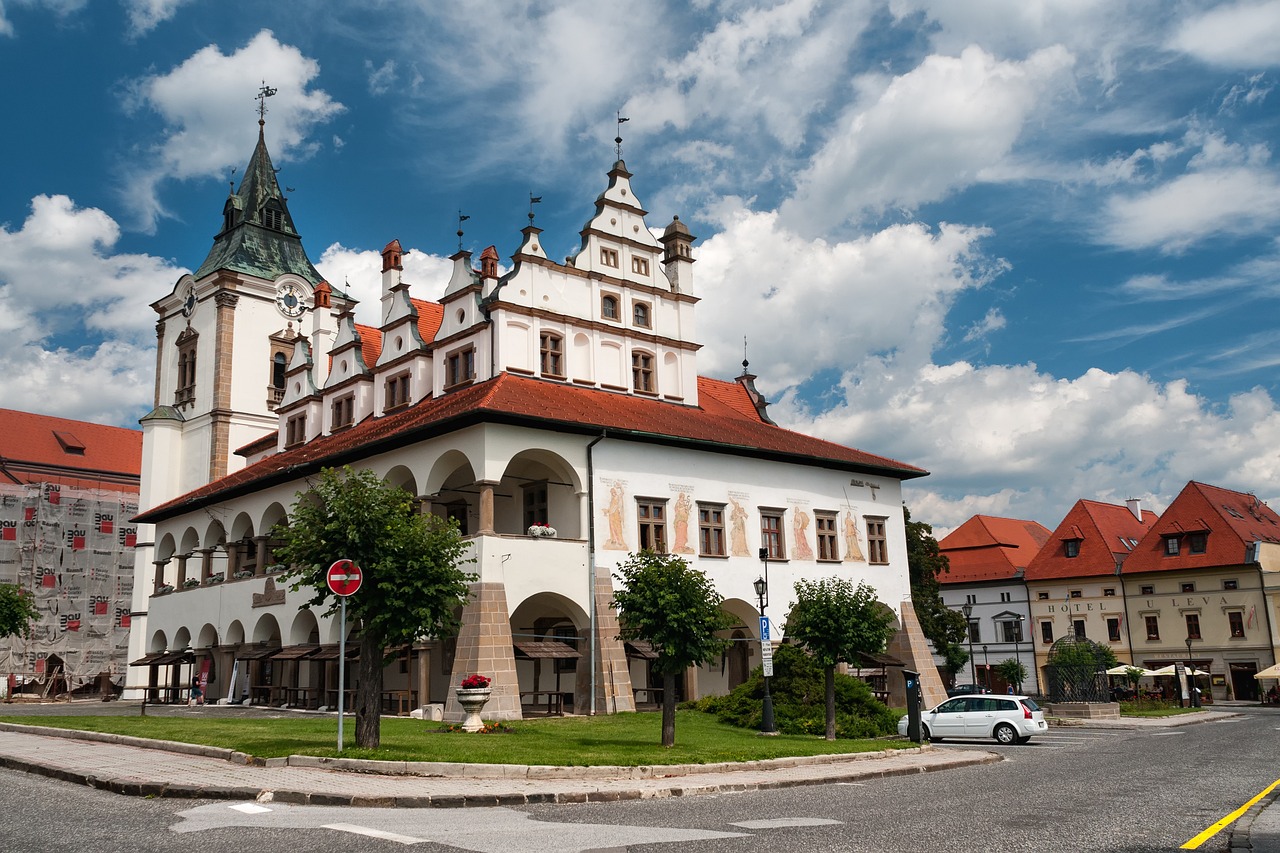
(475,682)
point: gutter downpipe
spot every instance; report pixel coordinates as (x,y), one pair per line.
(591,558)
(1266,603)
(1128,623)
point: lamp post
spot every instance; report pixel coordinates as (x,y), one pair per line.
(967,609)
(986,669)
(1192,693)
(767,726)
(1017,638)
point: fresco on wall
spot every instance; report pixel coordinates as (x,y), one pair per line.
(852,550)
(800,535)
(683,507)
(614,515)
(738,530)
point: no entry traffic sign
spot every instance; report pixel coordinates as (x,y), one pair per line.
(344,578)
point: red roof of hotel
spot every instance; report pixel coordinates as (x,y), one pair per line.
(717,425)
(76,454)
(987,547)
(1231,519)
(1107,533)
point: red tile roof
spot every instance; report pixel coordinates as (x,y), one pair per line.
(1105,532)
(430,316)
(716,425)
(988,547)
(1232,520)
(77,454)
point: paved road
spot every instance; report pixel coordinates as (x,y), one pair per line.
(1134,789)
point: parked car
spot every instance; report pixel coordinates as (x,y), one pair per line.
(1008,719)
(966,689)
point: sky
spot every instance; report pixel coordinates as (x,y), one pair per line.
(1028,245)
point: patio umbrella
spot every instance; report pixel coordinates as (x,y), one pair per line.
(1269,672)
(1169,670)
(1123,669)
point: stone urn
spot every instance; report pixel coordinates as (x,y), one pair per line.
(472,700)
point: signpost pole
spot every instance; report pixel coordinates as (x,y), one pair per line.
(342,664)
(344,579)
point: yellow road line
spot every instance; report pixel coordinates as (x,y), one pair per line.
(1195,843)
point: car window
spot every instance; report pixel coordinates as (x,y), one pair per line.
(952,706)
(1007,704)
(1031,704)
(984,704)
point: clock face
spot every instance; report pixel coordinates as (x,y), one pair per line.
(189,301)
(289,299)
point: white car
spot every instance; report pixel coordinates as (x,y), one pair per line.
(1008,719)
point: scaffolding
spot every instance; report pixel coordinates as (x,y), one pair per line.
(73,551)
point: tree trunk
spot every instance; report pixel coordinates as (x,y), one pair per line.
(668,709)
(831,702)
(369,694)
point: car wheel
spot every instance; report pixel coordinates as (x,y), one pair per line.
(1006,734)
(930,737)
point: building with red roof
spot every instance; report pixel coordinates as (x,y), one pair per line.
(1203,586)
(987,557)
(67,491)
(551,395)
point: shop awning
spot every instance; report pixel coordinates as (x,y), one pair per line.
(640,649)
(256,652)
(545,649)
(304,650)
(870,660)
(149,659)
(329,651)
(169,658)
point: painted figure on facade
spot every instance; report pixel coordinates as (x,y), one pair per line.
(683,506)
(617,540)
(852,550)
(738,530)
(800,532)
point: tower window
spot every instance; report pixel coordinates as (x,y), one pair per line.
(185,389)
(551,351)
(273,218)
(642,372)
(278,367)
(609,257)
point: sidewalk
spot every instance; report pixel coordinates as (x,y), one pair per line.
(137,767)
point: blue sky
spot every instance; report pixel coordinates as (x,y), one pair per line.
(1030,245)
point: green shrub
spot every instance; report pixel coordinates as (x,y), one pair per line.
(798,691)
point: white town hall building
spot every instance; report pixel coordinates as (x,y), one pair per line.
(557,394)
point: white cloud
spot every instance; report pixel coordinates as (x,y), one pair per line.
(359,274)
(382,77)
(993,321)
(146,15)
(919,136)
(207,106)
(1237,35)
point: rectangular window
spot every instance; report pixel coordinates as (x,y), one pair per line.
(535,504)
(1006,596)
(640,314)
(1046,633)
(1109,592)
(609,257)
(970,598)
(1009,632)
(1193,626)
(652,515)
(1071,548)
(975,631)
(828,539)
(1171,546)
(396,392)
(460,367)
(642,372)
(1197,542)
(1113,630)
(1146,590)
(567,635)
(639,265)
(1153,627)
(295,430)
(185,392)
(877,543)
(1188,587)
(1078,627)
(1042,596)
(1232,584)
(711,530)
(609,307)
(1236,620)
(344,410)
(1075,593)
(551,355)
(771,539)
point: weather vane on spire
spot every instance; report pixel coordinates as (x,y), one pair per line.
(617,140)
(461,219)
(263,93)
(745,363)
(533,199)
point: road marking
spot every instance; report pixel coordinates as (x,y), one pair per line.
(1194,844)
(1167,734)
(355,829)
(783,822)
(249,808)
(853,784)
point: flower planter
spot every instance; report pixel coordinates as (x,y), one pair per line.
(472,700)
(542,531)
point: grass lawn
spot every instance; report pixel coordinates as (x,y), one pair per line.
(1142,709)
(618,739)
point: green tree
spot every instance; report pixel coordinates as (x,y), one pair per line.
(1012,671)
(944,627)
(413,583)
(676,609)
(17,611)
(1084,654)
(838,623)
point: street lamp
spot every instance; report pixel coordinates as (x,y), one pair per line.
(968,630)
(1192,691)
(1017,656)
(986,669)
(767,726)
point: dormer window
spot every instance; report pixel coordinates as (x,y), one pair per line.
(344,410)
(1198,543)
(1172,546)
(273,218)
(609,257)
(639,265)
(295,430)
(640,315)
(397,392)
(609,307)
(551,355)
(460,367)
(1071,548)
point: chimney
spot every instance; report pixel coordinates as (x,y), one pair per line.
(1135,507)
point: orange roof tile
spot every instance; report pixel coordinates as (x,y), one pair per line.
(1232,520)
(44,449)
(1106,533)
(717,426)
(988,547)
